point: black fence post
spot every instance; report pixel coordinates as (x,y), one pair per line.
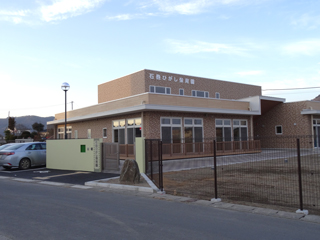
(146,156)
(299,173)
(151,153)
(160,167)
(215,169)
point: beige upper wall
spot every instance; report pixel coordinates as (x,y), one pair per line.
(126,86)
(227,90)
(139,82)
(312,105)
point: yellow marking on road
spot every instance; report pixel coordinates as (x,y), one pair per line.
(61,175)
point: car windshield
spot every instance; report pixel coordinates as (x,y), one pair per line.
(14,147)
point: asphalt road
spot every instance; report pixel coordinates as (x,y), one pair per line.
(36,211)
(53,175)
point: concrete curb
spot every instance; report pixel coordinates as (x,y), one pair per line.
(119,186)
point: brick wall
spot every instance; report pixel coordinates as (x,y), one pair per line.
(152,122)
(288,115)
(227,90)
(139,82)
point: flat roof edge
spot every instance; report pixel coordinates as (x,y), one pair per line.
(152,107)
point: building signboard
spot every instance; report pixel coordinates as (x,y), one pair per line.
(171,78)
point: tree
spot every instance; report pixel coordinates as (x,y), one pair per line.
(25,134)
(11,123)
(37,127)
(8,135)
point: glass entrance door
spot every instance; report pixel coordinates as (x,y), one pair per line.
(316,132)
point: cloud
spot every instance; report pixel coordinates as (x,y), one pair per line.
(122,17)
(184,47)
(182,7)
(63,9)
(246,73)
(14,16)
(308,21)
(191,7)
(306,47)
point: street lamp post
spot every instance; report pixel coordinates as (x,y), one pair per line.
(65,87)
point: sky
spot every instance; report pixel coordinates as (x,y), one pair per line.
(43,43)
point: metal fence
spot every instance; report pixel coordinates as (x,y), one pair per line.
(153,158)
(286,173)
(192,147)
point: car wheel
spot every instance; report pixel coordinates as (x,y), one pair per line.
(24,164)
(6,167)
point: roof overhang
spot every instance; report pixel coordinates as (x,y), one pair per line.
(310,112)
(153,107)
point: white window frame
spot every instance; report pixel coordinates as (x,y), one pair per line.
(223,125)
(240,126)
(89,133)
(276,129)
(135,125)
(167,90)
(171,125)
(217,95)
(181,90)
(75,134)
(194,93)
(60,133)
(119,127)
(69,132)
(104,130)
(193,125)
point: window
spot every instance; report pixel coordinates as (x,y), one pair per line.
(104,132)
(76,134)
(69,132)
(118,127)
(316,132)
(196,93)
(217,95)
(89,133)
(223,130)
(181,91)
(171,131)
(240,130)
(158,89)
(193,134)
(61,133)
(34,147)
(133,130)
(278,130)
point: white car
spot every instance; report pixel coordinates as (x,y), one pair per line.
(23,155)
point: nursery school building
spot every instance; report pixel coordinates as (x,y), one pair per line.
(187,113)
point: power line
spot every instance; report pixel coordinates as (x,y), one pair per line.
(284,89)
(36,107)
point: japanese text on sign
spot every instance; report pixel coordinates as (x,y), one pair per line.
(171,78)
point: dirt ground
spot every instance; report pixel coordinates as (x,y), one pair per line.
(269,183)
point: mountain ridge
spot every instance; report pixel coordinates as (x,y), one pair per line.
(27,121)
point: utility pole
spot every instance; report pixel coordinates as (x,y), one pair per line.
(71,105)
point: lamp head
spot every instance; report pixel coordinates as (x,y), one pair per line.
(65,86)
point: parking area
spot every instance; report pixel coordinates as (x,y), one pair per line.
(53,175)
